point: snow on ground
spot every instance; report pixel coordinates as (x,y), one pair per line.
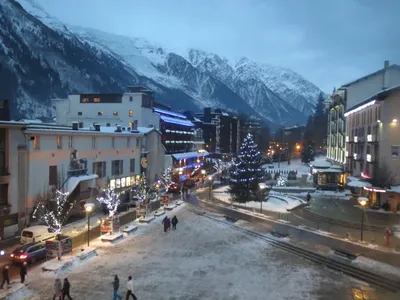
(277,202)
(295,165)
(201,260)
(376,266)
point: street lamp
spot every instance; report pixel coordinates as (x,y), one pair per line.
(262,186)
(89,207)
(363,202)
(209,187)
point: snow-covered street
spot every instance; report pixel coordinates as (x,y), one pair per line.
(200,260)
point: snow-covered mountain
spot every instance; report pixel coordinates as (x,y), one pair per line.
(42,58)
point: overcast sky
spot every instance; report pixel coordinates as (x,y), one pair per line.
(329,42)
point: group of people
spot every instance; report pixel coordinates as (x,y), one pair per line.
(129,289)
(6,275)
(167,223)
(61,290)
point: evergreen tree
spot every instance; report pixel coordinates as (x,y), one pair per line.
(320,122)
(246,172)
(308,153)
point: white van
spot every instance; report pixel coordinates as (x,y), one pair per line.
(35,234)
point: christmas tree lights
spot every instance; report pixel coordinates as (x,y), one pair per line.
(282,180)
(56,213)
(246,172)
(166,178)
(111,200)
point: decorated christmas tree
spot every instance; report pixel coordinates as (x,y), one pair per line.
(282,180)
(246,172)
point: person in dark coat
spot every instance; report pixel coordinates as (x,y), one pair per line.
(308,197)
(65,289)
(22,272)
(165,223)
(6,277)
(116,287)
(174,222)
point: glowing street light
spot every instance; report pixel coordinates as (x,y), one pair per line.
(297,147)
(89,207)
(203,172)
(363,202)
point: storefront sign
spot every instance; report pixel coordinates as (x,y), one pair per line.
(58,248)
(143,162)
(395,152)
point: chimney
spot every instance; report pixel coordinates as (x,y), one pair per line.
(135,125)
(75,125)
(385,83)
(207,115)
(97,127)
(119,128)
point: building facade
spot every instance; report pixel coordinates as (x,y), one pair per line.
(373,135)
(336,140)
(40,158)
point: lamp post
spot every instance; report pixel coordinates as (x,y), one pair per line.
(363,202)
(209,187)
(88,208)
(262,186)
(203,172)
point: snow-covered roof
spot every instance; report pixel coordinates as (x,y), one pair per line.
(177,121)
(167,112)
(184,155)
(358,183)
(394,189)
(321,164)
(36,121)
(73,182)
(35,128)
(145,130)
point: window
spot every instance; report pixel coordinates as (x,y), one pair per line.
(132,166)
(53,175)
(70,142)
(113,142)
(96,100)
(85,100)
(137,143)
(115,113)
(11,220)
(128,142)
(131,113)
(59,142)
(99,168)
(100,113)
(117,167)
(3,194)
(36,142)
(79,113)
(93,142)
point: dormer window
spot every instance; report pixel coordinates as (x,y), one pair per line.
(100,113)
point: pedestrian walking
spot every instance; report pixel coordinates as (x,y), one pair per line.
(165,223)
(129,287)
(116,287)
(388,233)
(22,272)
(174,222)
(308,197)
(6,277)
(66,289)
(57,289)
(169,224)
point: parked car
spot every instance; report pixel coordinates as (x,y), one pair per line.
(174,188)
(36,234)
(29,253)
(330,187)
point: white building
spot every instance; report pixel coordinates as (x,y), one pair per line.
(37,157)
(131,109)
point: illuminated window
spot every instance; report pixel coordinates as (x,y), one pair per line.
(59,142)
(85,100)
(115,113)
(100,113)
(130,124)
(131,113)
(96,100)
(36,142)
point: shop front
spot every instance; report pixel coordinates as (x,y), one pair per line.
(184,164)
(123,185)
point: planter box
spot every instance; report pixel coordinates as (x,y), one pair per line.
(130,229)
(169,207)
(180,202)
(148,219)
(159,213)
(111,238)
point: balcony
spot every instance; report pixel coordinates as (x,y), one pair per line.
(77,167)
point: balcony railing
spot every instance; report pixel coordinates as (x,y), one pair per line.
(77,167)
(372,138)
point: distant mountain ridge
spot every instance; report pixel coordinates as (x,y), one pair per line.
(87,60)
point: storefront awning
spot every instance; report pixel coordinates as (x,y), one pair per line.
(184,155)
(73,182)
